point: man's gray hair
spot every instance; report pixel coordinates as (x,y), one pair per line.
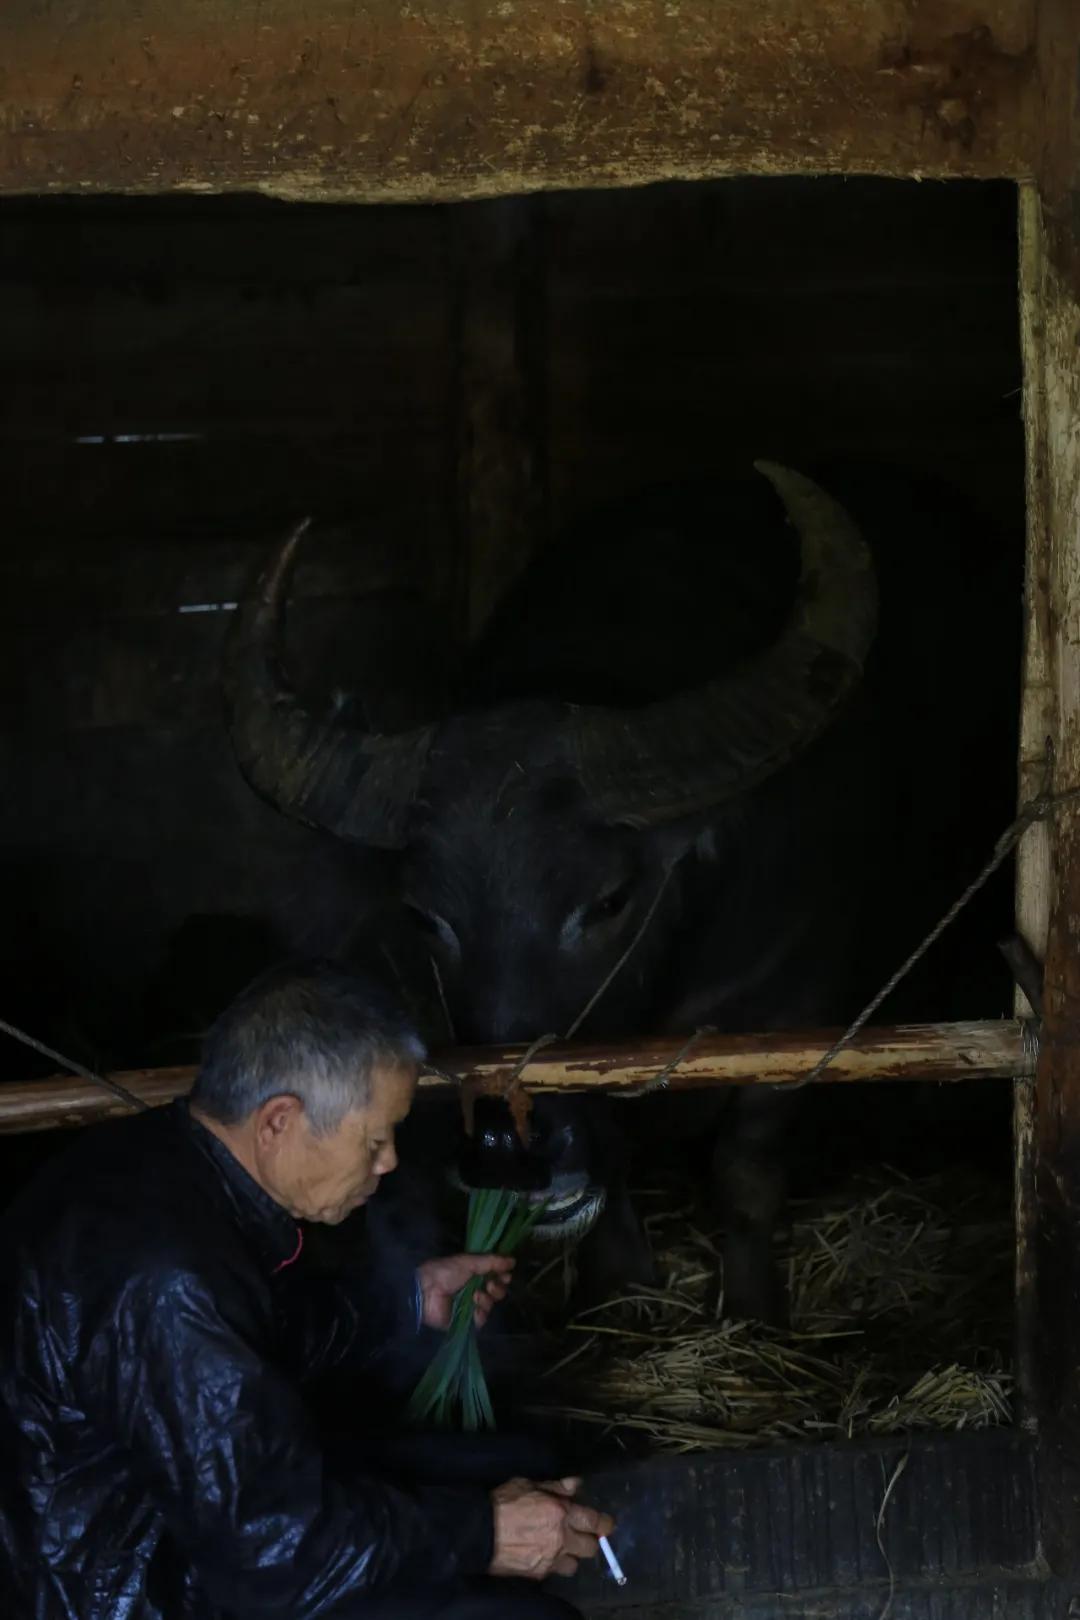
(311,1031)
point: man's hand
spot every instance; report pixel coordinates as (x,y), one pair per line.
(440,1280)
(540,1530)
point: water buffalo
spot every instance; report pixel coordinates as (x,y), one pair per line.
(626,796)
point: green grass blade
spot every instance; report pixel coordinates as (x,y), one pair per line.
(455,1385)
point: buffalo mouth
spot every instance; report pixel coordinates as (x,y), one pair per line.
(572,1208)
(569,1214)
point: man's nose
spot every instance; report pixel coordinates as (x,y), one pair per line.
(387,1160)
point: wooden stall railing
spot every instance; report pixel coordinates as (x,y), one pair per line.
(907,1052)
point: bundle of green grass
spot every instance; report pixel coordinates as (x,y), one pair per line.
(453,1391)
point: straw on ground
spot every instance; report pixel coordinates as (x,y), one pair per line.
(901,1320)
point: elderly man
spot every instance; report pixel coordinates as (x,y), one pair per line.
(159,1462)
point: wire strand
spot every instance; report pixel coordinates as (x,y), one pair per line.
(114,1086)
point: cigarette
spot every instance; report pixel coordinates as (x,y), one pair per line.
(612,1562)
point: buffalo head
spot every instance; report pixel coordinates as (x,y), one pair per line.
(543,841)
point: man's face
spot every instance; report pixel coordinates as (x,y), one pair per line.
(324,1178)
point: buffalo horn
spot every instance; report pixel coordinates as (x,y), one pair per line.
(317,769)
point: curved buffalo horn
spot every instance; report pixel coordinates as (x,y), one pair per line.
(317,769)
(687,753)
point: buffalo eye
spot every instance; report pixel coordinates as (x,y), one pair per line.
(608,906)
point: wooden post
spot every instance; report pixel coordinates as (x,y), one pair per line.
(1038,726)
(499,282)
(1049,1140)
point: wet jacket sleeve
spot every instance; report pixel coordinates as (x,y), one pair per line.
(227,1452)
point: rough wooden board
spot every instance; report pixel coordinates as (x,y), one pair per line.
(758,1529)
(1058,155)
(389,100)
(1038,724)
(1011,1600)
(1051,268)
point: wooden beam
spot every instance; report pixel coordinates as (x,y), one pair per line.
(975,1051)
(471,98)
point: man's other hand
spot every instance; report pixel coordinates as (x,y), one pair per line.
(440,1280)
(540,1530)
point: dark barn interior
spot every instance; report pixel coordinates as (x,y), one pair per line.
(448,390)
(187,376)
(510,296)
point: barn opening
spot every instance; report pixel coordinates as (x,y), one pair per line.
(449,390)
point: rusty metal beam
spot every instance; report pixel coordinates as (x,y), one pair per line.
(974,1051)
(390,101)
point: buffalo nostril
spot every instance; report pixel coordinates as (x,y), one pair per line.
(495,1156)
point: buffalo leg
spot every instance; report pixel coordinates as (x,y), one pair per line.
(750,1188)
(616,1252)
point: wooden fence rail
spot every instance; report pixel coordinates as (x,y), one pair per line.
(937,1052)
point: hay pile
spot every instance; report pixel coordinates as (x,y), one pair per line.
(901,1320)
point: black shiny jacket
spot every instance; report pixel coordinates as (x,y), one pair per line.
(157,1458)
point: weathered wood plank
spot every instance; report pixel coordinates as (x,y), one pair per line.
(1033,1599)
(481,97)
(1051,268)
(760,1529)
(1038,726)
(975,1051)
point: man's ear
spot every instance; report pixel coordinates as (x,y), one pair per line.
(277,1117)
